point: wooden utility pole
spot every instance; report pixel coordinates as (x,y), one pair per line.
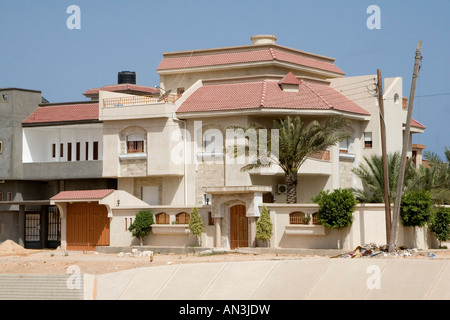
(401,174)
(387,198)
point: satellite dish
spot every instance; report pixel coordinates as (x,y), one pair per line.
(164,96)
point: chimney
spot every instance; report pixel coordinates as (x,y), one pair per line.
(126,77)
(263,39)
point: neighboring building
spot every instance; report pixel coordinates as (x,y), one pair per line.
(164,150)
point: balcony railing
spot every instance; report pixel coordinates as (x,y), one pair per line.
(139,100)
(322,155)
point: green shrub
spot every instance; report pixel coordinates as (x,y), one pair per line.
(142,225)
(264,225)
(336,208)
(440,224)
(415,208)
(196,224)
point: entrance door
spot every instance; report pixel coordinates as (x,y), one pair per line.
(87,226)
(238,227)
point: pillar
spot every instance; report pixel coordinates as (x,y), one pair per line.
(218,237)
(21,225)
(252,231)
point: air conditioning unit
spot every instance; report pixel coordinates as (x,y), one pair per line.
(282,189)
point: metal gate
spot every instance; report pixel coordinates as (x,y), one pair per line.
(53,228)
(42,227)
(33,227)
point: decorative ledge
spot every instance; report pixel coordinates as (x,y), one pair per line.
(304,230)
(170,229)
(133,156)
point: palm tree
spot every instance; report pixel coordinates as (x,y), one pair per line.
(436,177)
(297,141)
(371,174)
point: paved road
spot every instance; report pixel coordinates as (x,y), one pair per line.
(343,279)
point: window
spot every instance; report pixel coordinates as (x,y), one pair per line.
(343,146)
(9,196)
(210,219)
(162,218)
(182,218)
(54,150)
(1,196)
(78,151)
(135,143)
(69,151)
(298,218)
(5,97)
(1,146)
(180,91)
(95,156)
(61,150)
(315,218)
(367,139)
(87,151)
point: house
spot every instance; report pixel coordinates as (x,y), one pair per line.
(167,151)
(161,149)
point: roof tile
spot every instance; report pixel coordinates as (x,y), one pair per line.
(82,194)
(63,113)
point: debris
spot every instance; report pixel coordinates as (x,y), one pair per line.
(372,250)
(431,255)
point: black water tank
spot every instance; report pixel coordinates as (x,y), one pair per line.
(126,77)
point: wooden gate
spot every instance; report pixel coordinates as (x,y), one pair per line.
(238,227)
(87,226)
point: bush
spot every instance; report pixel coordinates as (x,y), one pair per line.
(142,225)
(440,224)
(336,208)
(264,225)
(196,224)
(415,208)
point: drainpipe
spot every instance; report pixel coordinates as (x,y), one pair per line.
(174,118)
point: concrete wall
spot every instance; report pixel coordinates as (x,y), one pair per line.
(16,108)
(368,226)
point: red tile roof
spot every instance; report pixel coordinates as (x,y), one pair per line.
(256,55)
(417,124)
(290,78)
(64,113)
(267,94)
(122,87)
(82,194)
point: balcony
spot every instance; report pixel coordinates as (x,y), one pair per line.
(138,100)
(317,164)
(137,107)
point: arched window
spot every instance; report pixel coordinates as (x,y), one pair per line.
(297,218)
(135,143)
(315,218)
(182,218)
(162,218)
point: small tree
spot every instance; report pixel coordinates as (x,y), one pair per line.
(196,224)
(264,226)
(415,208)
(440,224)
(142,225)
(335,208)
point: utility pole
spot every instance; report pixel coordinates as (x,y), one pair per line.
(387,198)
(401,174)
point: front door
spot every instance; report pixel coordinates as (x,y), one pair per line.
(87,226)
(238,227)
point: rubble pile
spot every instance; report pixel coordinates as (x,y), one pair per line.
(137,253)
(372,250)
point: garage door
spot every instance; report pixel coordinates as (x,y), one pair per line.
(87,226)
